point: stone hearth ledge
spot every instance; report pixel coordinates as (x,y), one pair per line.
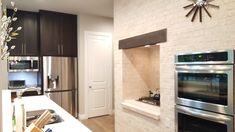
(148,110)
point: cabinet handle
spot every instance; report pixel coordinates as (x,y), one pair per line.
(62,49)
(25,49)
(22,48)
(58,49)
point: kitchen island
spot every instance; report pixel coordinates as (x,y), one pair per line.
(69,123)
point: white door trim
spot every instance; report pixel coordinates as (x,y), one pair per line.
(110,91)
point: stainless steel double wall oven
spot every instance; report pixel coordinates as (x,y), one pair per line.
(205,91)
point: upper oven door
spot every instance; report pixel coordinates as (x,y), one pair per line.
(208,87)
(193,120)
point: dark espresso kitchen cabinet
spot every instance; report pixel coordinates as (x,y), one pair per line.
(69,35)
(58,34)
(50,33)
(27,42)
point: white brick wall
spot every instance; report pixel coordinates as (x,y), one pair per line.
(135,17)
(141,72)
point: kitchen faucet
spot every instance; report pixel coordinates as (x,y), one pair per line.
(21,106)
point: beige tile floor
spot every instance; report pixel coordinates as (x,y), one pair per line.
(100,124)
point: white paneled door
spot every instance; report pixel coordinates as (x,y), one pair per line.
(98,73)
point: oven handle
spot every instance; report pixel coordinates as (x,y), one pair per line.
(204,116)
(209,68)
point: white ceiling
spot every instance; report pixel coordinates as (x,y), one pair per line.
(95,7)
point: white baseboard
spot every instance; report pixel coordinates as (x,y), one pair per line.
(85,117)
(82,116)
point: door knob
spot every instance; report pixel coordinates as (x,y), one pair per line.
(90,86)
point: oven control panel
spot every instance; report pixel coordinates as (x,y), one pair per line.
(206,57)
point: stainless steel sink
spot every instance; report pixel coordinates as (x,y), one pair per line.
(32,116)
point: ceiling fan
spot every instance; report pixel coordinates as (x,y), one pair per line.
(199,5)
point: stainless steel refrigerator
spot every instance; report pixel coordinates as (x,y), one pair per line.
(60,82)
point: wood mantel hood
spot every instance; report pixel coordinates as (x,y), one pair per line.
(151,38)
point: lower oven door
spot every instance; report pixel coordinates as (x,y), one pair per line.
(194,120)
(208,87)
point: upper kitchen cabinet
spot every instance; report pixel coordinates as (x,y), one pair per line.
(50,27)
(58,34)
(69,35)
(31,33)
(27,42)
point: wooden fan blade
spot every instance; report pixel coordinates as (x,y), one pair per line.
(214,6)
(194,15)
(188,6)
(192,0)
(207,12)
(191,11)
(200,12)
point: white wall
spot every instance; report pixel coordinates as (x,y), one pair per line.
(88,23)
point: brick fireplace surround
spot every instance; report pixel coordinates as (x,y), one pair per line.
(135,17)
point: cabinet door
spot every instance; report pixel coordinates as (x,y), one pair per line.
(31,34)
(69,35)
(19,41)
(50,24)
